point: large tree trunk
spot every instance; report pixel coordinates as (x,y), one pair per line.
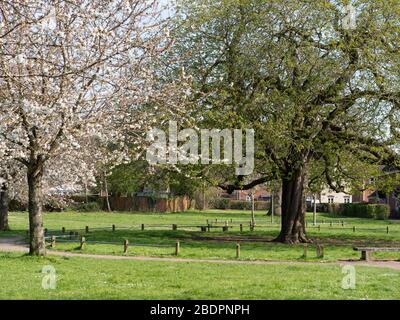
(36,232)
(293,213)
(4,209)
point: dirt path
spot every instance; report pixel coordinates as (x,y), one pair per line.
(16,244)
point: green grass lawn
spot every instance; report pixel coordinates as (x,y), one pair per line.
(84,278)
(160,240)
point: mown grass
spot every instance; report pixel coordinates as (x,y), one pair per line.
(85,278)
(338,240)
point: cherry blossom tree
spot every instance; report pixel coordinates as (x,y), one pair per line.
(67,70)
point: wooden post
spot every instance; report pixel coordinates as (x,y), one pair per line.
(53,241)
(113,227)
(174,227)
(177,248)
(320,251)
(203,229)
(45,231)
(82,243)
(319,227)
(366,255)
(241,227)
(63,230)
(387,229)
(224,228)
(354,229)
(71,233)
(237,250)
(208,227)
(87,229)
(142,227)
(126,244)
(315,210)
(342,223)
(305,251)
(330,224)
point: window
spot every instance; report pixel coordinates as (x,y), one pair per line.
(331,199)
(346,199)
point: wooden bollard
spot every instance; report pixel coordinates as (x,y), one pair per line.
(113,227)
(87,229)
(387,229)
(174,227)
(241,227)
(53,241)
(209,227)
(320,251)
(63,230)
(237,250)
(82,243)
(71,234)
(342,223)
(142,227)
(330,224)
(126,245)
(305,251)
(319,227)
(177,248)
(354,229)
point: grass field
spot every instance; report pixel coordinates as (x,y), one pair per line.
(78,278)
(160,240)
(84,278)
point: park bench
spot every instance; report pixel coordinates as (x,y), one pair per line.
(204,228)
(366,252)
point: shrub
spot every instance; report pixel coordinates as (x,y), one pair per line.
(219,203)
(240,205)
(363,210)
(382,211)
(223,203)
(89,207)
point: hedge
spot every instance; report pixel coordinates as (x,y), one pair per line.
(364,210)
(221,203)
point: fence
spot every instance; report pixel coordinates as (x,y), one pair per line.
(149,204)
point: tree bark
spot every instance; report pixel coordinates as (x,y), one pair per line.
(106,191)
(36,232)
(293,213)
(277,203)
(4,209)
